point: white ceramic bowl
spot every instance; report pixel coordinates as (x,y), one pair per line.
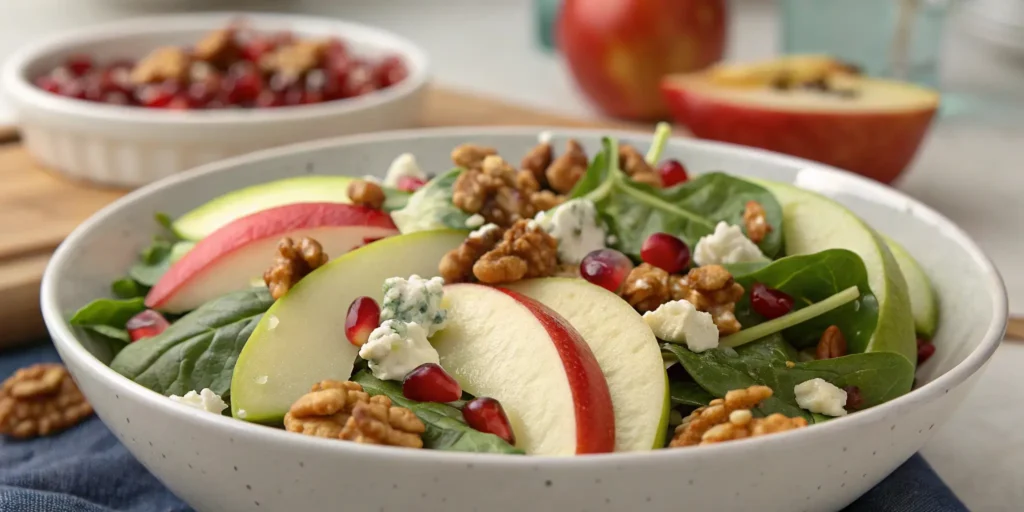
(217,463)
(126,146)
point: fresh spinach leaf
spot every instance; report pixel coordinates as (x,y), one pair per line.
(199,350)
(811,278)
(689,210)
(128,288)
(431,207)
(107,317)
(689,393)
(446,430)
(155,260)
(880,376)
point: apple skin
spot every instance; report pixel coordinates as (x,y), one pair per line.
(260,228)
(618,50)
(595,419)
(878,145)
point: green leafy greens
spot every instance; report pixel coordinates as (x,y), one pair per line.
(431,207)
(107,317)
(446,430)
(199,350)
(689,210)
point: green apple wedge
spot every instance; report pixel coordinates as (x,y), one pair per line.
(923,300)
(301,338)
(813,223)
(626,350)
(200,222)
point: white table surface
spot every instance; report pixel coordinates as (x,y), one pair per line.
(970,168)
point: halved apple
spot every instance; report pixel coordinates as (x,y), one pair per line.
(808,106)
(507,346)
(626,350)
(301,338)
(227,259)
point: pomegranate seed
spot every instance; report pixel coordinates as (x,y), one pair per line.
(155,96)
(73,89)
(486,415)
(769,302)
(116,98)
(147,324)
(665,252)
(256,48)
(269,99)
(335,49)
(179,102)
(293,96)
(410,184)
(243,87)
(854,400)
(925,350)
(606,268)
(390,71)
(672,173)
(48,83)
(362,318)
(430,383)
(310,97)
(79,64)
(62,75)
(279,82)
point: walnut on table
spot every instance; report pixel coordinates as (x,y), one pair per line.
(756,221)
(731,418)
(343,410)
(166,63)
(295,260)
(40,400)
(710,288)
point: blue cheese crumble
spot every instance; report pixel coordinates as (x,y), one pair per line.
(726,245)
(415,300)
(576,226)
(396,348)
(403,166)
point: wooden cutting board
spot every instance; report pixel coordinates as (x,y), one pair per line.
(39,208)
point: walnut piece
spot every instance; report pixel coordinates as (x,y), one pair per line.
(343,410)
(166,63)
(730,418)
(567,169)
(499,193)
(756,222)
(832,344)
(471,156)
(294,261)
(457,265)
(294,60)
(636,167)
(525,251)
(40,400)
(219,48)
(366,193)
(645,287)
(710,288)
(537,162)
(545,200)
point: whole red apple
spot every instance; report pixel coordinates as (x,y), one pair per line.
(618,50)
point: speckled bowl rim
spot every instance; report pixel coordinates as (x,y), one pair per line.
(70,347)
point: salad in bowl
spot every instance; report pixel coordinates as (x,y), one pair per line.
(553,303)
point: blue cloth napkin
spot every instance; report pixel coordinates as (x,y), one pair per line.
(86,469)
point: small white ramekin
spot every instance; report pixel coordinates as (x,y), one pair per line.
(132,146)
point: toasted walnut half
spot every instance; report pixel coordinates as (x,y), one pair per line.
(343,410)
(457,265)
(646,287)
(636,167)
(294,261)
(730,418)
(710,288)
(756,221)
(525,251)
(498,192)
(40,400)
(567,169)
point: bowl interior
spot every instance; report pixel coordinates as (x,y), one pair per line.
(972,301)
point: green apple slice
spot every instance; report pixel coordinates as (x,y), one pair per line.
(301,338)
(626,350)
(814,223)
(923,300)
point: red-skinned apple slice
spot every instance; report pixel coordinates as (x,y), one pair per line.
(871,127)
(504,345)
(228,258)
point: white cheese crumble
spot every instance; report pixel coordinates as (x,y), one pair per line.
(483,230)
(415,300)
(821,396)
(396,348)
(474,221)
(403,166)
(205,400)
(544,137)
(242,414)
(577,228)
(678,321)
(726,245)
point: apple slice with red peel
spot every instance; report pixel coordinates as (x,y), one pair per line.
(809,106)
(227,259)
(507,346)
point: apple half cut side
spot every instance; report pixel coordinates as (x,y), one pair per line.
(504,345)
(227,260)
(868,126)
(626,350)
(301,338)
